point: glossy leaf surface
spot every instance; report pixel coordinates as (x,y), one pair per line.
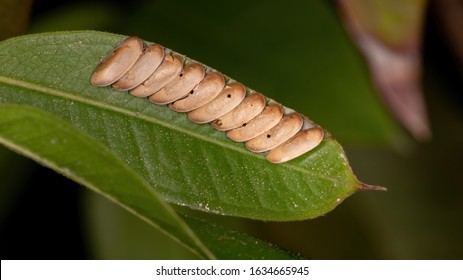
(186,163)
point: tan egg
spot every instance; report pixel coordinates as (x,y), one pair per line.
(181,86)
(230,97)
(146,64)
(118,62)
(269,117)
(203,93)
(251,106)
(288,126)
(300,144)
(170,68)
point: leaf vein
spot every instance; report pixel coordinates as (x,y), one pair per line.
(87,101)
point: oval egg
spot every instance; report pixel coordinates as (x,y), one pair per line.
(181,86)
(165,73)
(230,97)
(204,92)
(299,144)
(269,117)
(146,64)
(288,126)
(118,62)
(251,106)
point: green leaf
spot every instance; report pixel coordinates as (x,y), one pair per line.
(115,234)
(186,163)
(58,145)
(233,245)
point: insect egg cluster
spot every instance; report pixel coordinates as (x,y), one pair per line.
(166,79)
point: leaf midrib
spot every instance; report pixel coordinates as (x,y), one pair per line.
(87,101)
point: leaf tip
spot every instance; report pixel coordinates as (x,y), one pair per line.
(366,187)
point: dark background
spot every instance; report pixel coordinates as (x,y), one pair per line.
(46,216)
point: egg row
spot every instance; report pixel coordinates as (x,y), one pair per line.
(204,94)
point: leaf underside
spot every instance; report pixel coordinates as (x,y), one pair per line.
(60,146)
(186,163)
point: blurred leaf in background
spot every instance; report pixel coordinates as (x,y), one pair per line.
(114,233)
(317,70)
(389,35)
